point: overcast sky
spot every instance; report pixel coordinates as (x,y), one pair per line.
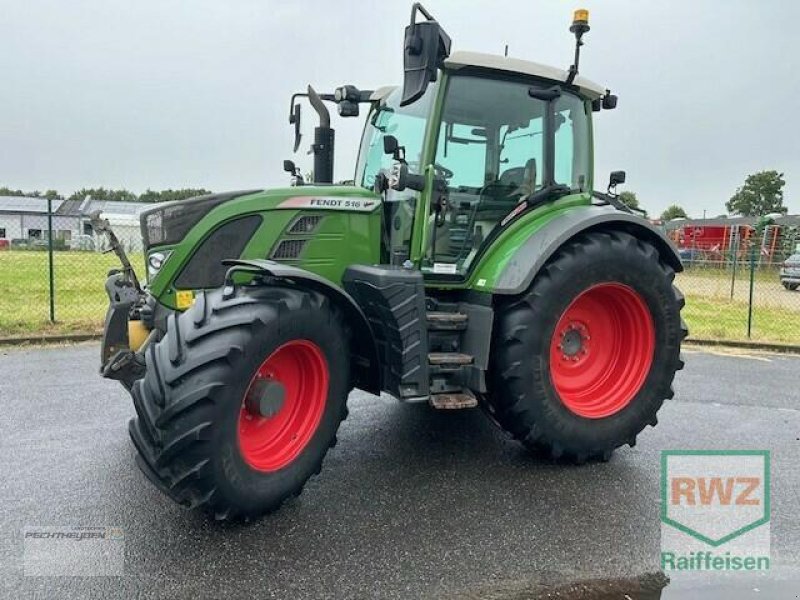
(164,93)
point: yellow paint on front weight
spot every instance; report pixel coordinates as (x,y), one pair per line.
(137,334)
(184,299)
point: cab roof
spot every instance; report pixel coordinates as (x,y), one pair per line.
(461,59)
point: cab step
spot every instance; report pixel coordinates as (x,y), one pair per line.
(453,401)
(446,321)
(449,359)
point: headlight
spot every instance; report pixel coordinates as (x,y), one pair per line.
(168,223)
(155,261)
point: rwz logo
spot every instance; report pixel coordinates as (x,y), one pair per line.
(708,490)
(715,495)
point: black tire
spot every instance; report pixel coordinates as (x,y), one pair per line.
(523,398)
(189,401)
(791,286)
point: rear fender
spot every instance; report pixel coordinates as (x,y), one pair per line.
(533,254)
(364,366)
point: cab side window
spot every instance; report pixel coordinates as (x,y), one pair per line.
(491,150)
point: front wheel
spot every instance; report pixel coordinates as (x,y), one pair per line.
(242,399)
(583,361)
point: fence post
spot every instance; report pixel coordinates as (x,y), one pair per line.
(752,282)
(50,259)
(734,257)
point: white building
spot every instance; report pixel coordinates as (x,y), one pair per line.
(24,222)
(26,219)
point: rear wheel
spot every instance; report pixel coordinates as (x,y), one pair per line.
(242,399)
(791,286)
(582,362)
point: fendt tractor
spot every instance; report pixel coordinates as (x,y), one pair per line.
(469,263)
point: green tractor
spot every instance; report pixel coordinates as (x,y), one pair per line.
(469,263)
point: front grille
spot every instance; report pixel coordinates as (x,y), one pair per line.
(306,224)
(288,249)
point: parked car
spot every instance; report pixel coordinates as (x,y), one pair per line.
(82,242)
(790,273)
(690,256)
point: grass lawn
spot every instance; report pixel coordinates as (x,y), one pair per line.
(760,274)
(722,319)
(80,299)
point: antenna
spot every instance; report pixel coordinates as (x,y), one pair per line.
(506,52)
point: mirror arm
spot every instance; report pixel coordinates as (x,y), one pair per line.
(418,7)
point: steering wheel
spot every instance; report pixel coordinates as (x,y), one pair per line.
(443,170)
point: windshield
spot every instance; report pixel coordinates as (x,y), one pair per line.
(407,124)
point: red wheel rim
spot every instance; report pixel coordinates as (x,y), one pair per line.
(602,350)
(271,443)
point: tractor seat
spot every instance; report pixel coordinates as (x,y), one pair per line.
(521,179)
(512,177)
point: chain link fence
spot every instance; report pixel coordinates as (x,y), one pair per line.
(741,282)
(52,272)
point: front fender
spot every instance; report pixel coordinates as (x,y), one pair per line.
(365,364)
(530,256)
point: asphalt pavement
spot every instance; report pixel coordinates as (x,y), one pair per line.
(411,502)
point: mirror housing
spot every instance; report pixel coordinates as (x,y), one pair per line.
(425,47)
(616,178)
(291,168)
(390,144)
(294,119)
(393,147)
(609,101)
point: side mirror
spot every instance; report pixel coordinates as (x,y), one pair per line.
(294,118)
(425,47)
(390,144)
(393,147)
(609,101)
(297,178)
(616,177)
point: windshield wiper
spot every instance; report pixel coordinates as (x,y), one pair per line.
(616,203)
(549,193)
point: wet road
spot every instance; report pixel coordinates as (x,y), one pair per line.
(410,503)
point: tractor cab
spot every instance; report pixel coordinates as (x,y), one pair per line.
(490,134)
(469,143)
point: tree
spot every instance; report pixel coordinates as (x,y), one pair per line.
(761,194)
(50,194)
(170,195)
(673,211)
(104,194)
(150,196)
(629,199)
(4,191)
